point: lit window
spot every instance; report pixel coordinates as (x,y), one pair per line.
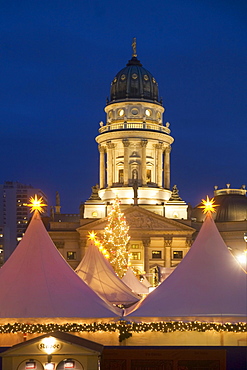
(148,112)
(156,254)
(135,256)
(121,112)
(177,255)
(71,255)
(135,246)
(94,214)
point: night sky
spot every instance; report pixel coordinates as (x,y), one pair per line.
(58,59)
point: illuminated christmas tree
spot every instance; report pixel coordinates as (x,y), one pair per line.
(116,238)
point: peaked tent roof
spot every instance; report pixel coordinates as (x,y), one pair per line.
(133,283)
(145,282)
(37,282)
(208,282)
(98,273)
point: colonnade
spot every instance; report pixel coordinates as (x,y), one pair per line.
(162,157)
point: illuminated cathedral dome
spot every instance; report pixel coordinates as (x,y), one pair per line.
(232,205)
(134,83)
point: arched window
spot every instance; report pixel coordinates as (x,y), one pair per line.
(69,363)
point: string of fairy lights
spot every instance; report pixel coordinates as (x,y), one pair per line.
(126,329)
(93,236)
(116,238)
(113,244)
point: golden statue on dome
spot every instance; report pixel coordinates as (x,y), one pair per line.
(134,54)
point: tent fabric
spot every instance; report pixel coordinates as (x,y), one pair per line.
(36,281)
(133,283)
(98,273)
(208,282)
(146,282)
(164,272)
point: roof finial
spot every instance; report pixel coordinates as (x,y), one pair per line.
(134,55)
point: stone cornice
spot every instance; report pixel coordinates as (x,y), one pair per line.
(134,134)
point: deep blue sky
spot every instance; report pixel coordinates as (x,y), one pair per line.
(58,59)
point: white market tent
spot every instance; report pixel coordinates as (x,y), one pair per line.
(98,273)
(37,282)
(146,282)
(133,283)
(208,283)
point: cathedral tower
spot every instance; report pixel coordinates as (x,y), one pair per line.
(134,144)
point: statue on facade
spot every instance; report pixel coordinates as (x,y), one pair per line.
(95,193)
(175,194)
(134,54)
(58,203)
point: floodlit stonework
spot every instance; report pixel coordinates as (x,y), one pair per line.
(134,147)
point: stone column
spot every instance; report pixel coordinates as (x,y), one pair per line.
(159,148)
(188,244)
(126,144)
(167,168)
(110,146)
(146,244)
(144,161)
(101,166)
(167,245)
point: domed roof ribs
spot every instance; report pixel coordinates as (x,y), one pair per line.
(134,82)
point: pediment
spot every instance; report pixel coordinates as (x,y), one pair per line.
(66,343)
(139,218)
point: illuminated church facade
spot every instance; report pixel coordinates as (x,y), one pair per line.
(134,147)
(134,165)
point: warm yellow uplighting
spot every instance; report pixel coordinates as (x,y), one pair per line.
(36,204)
(92,236)
(208,205)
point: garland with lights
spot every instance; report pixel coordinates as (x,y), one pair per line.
(115,239)
(125,329)
(93,236)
